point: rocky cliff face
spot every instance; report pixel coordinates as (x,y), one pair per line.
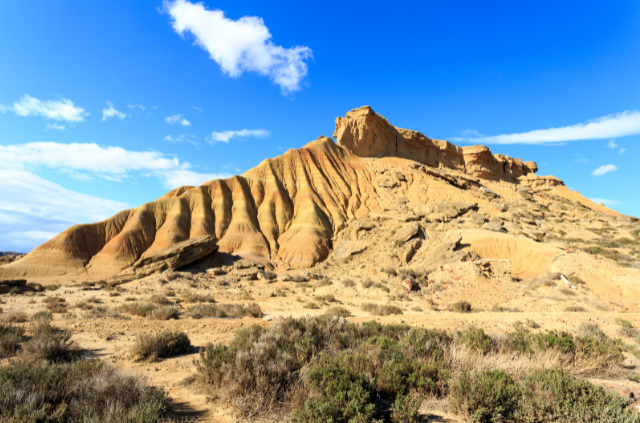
(288,209)
(368,134)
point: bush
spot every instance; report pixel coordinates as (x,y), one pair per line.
(49,343)
(164,313)
(405,409)
(56,304)
(624,323)
(461,307)
(191,297)
(15,317)
(381,310)
(338,311)
(475,338)
(138,309)
(554,395)
(348,283)
(85,390)
(486,396)
(311,306)
(367,284)
(42,315)
(164,344)
(159,300)
(575,309)
(15,291)
(226,310)
(98,312)
(10,339)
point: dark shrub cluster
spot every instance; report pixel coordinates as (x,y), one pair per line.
(164,344)
(544,396)
(381,310)
(226,310)
(79,391)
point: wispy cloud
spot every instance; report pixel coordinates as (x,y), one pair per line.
(240,46)
(604,201)
(612,145)
(604,169)
(226,136)
(173,119)
(622,151)
(191,139)
(109,163)
(63,109)
(111,112)
(137,106)
(55,126)
(610,126)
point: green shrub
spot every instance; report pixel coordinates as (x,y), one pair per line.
(15,291)
(345,393)
(405,409)
(555,395)
(520,340)
(10,339)
(486,396)
(475,338)
(562,341)
(164,344)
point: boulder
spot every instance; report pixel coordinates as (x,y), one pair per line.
(216,271)
(406,232)
(400,177)
(348,248)
(409,250)
(176,256)
(246,264)
(267,275)
(478,219)
(250,273)
(489,192)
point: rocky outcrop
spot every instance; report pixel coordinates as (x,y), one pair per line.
(176,256)
(367,134)
(288,210)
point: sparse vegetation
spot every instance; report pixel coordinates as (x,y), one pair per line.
(350,368)
(461,307)
(191,297)
(226,310)
(165,344)
(311,305)
(390,271)
(337,311)
(575,309)
(348,283)
(381,310)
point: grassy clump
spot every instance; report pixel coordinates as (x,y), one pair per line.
(49,343)
(475,338)
(42,315)
(575,309)
(10,339)
(192,297)
(381,310)
(80,391)
(390,271)
(55,304)
(348,283)
(151,310)
(15,317)
(164,344)
(461,307)
(546,395)
(311,306)
(338,311)
(226,310)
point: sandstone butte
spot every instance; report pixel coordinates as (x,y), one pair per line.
(288,211)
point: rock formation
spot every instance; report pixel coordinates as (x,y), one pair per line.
(288,210)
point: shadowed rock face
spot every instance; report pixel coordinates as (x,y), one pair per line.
(286,210)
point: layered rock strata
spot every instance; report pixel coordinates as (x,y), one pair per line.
(287,210)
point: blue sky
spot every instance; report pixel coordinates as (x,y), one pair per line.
(108,105)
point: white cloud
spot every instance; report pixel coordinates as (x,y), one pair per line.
(92,160)
(63,109)
(226,136)
(604,201)
(610,126)
(612,145)
(240,46)
(173,119)
(55,126)
(136,106)
(111,112)
(622,151)
(33,209)
(182,138)
(604,169)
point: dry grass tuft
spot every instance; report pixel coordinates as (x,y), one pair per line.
(165,344)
